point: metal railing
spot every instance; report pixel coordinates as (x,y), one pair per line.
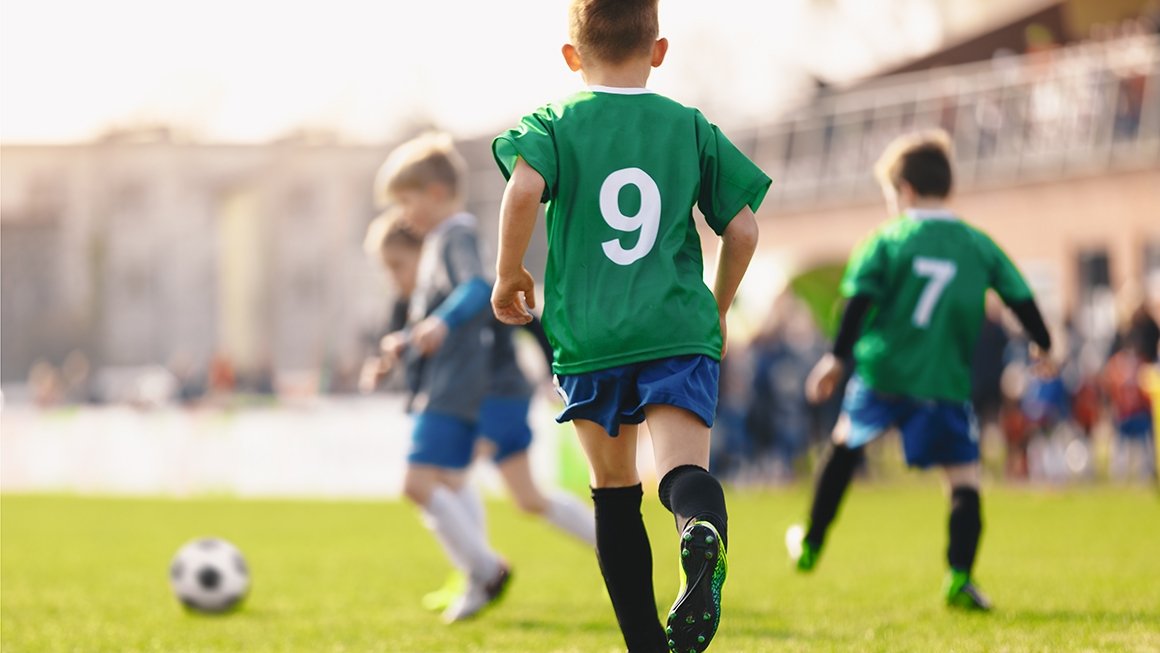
(1082,109)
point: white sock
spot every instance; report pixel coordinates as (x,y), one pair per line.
(472,502)
(572,516)
(455,529)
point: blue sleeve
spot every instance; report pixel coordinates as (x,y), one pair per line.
(465,302)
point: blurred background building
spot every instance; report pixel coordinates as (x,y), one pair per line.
(211,264)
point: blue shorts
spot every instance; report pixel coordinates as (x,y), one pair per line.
(446,441)
(618,395)
(933,432)
(442,440)
(505,422)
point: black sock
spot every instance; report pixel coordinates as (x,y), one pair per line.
(966,525)
(690,492)
(625,558)
(831,487)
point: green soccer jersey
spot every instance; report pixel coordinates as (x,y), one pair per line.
(927,274)
(623,170)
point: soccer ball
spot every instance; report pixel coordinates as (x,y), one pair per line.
(209,575)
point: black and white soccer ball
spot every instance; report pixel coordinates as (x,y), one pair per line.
(209,575)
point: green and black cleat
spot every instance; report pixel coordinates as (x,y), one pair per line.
(962,594)
(696,613)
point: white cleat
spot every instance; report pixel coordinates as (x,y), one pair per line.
(793,541)
(477,596)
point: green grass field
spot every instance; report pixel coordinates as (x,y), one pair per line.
(1070,571)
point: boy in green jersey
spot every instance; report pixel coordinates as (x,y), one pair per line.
(916,291)
(637,335)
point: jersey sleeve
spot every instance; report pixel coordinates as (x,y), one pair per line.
(729,180)
(533,141)
(461,255)
(1003,276)
(867,269)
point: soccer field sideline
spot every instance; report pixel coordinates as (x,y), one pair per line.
(1069,570)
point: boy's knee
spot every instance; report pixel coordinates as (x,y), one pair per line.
(418,485)
(531,504)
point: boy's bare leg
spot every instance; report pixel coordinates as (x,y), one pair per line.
(681,453)
(694,496)
(562,510)
(622,546)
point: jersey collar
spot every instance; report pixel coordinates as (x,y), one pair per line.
(619,90)
(931,214)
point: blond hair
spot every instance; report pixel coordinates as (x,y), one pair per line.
(429,158)
(388,230)
(613,30)
(922,160)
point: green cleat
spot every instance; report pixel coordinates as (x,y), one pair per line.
(961,593)
(802,554)
(438,600)
(696,614)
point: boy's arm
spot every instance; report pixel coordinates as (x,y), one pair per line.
(738,242)
(1032,320)
(828,372)
(1016,294)
(515,290)
(465,302)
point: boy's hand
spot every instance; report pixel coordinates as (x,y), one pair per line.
(393,344)
(374,369)
(428,336)
(825,376)
(1042,365)
(512,296)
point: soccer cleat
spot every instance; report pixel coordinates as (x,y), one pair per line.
(961,593)
(478,596)
(802,554)
(452,589)
(696,613)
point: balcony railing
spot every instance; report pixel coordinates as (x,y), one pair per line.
(1082,109)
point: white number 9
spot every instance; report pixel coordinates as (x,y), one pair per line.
(647,220)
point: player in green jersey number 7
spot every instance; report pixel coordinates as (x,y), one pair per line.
(916,291)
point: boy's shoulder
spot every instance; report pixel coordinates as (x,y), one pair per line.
(599,99)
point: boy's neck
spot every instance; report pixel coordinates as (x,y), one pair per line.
(924,204)
(630,74)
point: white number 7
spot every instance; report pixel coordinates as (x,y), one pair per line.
(939,273)
(647,220)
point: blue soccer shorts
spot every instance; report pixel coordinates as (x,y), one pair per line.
(504,421)
(618,395)
(933,432)
(445,441)
(442,440)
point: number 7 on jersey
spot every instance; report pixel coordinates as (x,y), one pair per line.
(938,273)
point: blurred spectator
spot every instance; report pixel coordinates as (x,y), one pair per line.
(76,373)
(45,384)
(191,382)
(222,379)
(987,367)
(1014,424)
(1134,349)
(779,418)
